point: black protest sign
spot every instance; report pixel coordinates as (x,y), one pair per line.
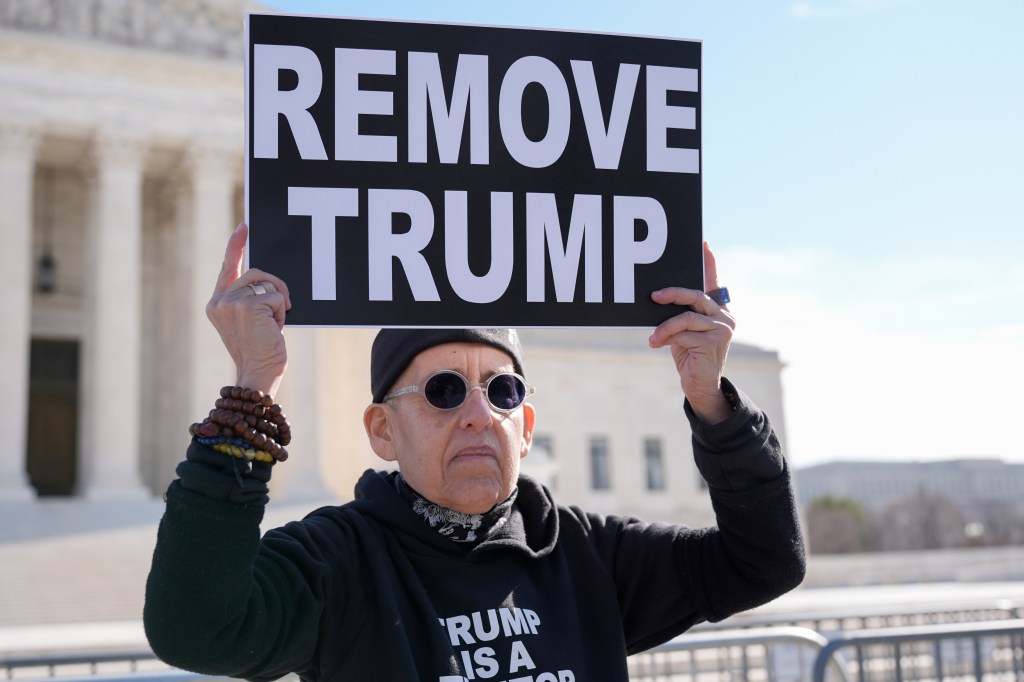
(414,174)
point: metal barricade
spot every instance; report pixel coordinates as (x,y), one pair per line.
(988,651)
(827,621)
(774,654)
(981,651)
(89,664)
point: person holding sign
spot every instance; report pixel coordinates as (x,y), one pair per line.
(454,567)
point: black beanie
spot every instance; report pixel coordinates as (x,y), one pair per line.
(394,349)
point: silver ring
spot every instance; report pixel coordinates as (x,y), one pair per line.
(719,296)
(258,288)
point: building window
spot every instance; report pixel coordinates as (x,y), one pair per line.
(654,463)
(545,443)
(600,476)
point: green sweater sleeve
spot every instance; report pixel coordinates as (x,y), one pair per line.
(220,602)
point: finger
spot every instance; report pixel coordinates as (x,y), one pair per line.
(689,341)
(711,273)
(687,322)
(272,283)
(697,300)
(269,289)
(231,268)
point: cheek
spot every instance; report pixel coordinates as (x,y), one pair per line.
(513,434)
(420,444)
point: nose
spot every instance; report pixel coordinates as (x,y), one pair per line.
(476,412)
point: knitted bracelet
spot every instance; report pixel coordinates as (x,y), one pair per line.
(249,416)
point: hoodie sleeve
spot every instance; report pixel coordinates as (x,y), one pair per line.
(213,581)
(670,577)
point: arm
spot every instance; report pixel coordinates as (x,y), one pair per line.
(668,577)
(217,599)
(756,553)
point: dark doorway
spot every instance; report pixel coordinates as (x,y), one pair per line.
(53,417)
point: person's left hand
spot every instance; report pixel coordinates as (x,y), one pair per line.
(699,339)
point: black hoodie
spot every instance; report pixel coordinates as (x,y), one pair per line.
(368,591)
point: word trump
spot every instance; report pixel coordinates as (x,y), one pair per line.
(543,237)
(470,105)
(423,174)
(515,664)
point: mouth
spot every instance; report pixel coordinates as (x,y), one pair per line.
(474,454)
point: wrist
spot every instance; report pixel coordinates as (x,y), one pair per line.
(267,383)
(714,409)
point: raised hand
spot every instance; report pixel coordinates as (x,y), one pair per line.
(248,310)
(699,339)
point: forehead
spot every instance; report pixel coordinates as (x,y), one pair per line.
(465,357)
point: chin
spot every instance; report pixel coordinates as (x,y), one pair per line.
(478,497)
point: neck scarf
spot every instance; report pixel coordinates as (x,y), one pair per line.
(455,525)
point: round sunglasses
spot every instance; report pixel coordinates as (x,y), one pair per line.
(447,390)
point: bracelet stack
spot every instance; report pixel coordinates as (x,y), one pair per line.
(245,423)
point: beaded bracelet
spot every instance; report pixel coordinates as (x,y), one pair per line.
(243,453)
(245,419)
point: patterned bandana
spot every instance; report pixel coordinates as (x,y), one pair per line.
(455,525)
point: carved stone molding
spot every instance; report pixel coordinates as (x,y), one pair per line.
(204,157)
(207,28)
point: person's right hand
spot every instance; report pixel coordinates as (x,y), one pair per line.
(250,324)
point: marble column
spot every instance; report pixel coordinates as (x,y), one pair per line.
(112,418)
(212,170)
(18,143)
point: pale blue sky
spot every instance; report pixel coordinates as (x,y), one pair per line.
(864,189)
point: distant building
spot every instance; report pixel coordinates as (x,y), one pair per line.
(121,159)
(876,485)
(611,435)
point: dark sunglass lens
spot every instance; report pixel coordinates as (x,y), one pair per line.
(445,390)
(506,391)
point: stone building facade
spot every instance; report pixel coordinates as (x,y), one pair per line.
(121,173)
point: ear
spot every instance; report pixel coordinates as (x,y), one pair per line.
(529,417)
(377,422)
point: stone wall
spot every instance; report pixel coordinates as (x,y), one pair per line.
(983,564)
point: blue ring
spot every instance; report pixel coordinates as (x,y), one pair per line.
(719,296)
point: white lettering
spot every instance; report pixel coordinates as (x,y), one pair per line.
(478,626)
(324,205)
(470,287)
(269,103)
(546,151)
(485,658)
(513,622)
(467,664)
(350,103)
(384,245)
(605,144)
(566,676)
(533,618)
(661,117)
(543,229)
(520,658)
(628,251)
(469,94)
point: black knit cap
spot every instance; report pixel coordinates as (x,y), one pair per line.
(394,349)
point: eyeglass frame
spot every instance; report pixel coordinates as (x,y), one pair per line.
(470,387)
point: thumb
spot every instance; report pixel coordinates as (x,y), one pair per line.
(234,253)
(710,269)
